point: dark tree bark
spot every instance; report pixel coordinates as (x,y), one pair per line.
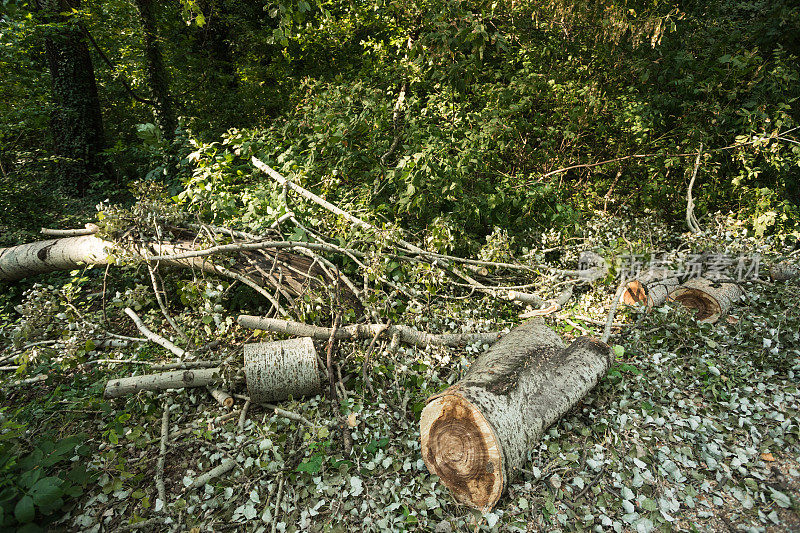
(156,72)
(215,41)
(76,122)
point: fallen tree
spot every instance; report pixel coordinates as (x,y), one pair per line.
(476,433)
(268,264)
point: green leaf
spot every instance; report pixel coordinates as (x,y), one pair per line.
(46,494)
(649,505)
(24,511)
(312,466)
(619,351)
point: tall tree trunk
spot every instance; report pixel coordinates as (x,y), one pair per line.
(214,41)
(76,123)
(156,73)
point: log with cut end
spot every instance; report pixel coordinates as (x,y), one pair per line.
(651,288)
(282,369)
(784,271)
(476,433)
(710,300)
(177,379)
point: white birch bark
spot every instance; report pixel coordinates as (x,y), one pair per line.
(278,370)
(40,257)
(201,377)
(366,331)
(477,433)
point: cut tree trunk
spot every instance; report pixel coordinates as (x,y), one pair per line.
(279,370)
(476,433)
(651,288)
(710,300)
(784,271)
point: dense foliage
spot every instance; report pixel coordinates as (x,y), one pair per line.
(439,114)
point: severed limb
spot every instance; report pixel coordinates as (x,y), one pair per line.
(177,379)
(162,453)
(367,331)
(158,339)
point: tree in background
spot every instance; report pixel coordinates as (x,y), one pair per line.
(156,72)
(76,120)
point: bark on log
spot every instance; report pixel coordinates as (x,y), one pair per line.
(710,300)
(222,397)
(784,271)
(177,379)
(277,370)
(290,272)
(41,257)
(651,288)
(366,331)
(476,433)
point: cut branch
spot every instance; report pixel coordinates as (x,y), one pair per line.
(162,453)
(158,339)
(366,331)
(90,229)
(167,380)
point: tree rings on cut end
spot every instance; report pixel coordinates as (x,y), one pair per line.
(710,301)
(460,447)
(634,293)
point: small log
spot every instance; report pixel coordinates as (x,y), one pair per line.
(710,300)
(476,433)
(784,271)
(222,397)
(650,288)
(278,370)
(178,379)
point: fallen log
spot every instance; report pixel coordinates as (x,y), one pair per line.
(710,300)
(177,379)
(784,271)
(651,288)
(406,334)
(289,273)
(222,397)
(277,370)
(476,433)
(40,257)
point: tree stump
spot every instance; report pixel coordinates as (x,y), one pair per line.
(476,433)
(710,300)
(651,288)
(278,370)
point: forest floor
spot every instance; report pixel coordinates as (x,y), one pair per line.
(695,427)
